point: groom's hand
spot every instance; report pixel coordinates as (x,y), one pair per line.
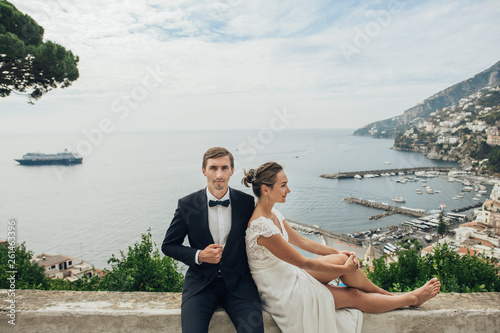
(211,254)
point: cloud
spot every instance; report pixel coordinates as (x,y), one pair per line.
(236,56)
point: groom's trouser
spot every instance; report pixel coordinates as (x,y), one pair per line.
(197,311)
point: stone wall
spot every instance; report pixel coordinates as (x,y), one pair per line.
(66,311)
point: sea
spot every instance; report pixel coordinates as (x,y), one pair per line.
(129,183)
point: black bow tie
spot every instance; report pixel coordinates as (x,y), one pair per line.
(212,203)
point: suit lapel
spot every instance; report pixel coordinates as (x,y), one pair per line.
(235,216)
(203,217)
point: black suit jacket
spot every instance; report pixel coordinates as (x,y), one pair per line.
(191,219)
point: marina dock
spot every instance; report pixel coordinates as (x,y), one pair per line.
(387,207)
(404,171)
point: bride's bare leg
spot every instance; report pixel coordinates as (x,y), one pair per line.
(377,303)
(356,279)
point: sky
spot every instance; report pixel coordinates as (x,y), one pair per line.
(156,65)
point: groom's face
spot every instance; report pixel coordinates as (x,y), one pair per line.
(218,171)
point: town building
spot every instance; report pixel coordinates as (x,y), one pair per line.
(493,140)
(369,257)
(57,266)
(491,215)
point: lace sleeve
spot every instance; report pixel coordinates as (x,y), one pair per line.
(264,227)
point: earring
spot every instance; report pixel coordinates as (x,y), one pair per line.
(267,200)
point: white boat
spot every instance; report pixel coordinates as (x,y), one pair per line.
(387,162)
(358,177)
(399,199)
(428,174)
(419,191)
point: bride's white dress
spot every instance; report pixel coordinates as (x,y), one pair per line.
(296,301)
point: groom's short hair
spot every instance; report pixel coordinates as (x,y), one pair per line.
(216,152)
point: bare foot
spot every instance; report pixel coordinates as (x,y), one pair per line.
(426,292)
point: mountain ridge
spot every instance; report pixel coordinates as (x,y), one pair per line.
(390,128)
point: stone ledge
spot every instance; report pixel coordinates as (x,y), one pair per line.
(51,311)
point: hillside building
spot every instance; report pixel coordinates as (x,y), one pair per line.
(57,266)
(493,140)
(490,214)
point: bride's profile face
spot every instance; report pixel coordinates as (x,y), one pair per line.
(280,189)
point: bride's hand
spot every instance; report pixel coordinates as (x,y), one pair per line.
(351,254)
(351,264)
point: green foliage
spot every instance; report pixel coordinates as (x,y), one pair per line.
(27,275)
(462,274)
(410,243)
(494,160)
(493,117)
(142,269)
(492,153)
(403,142)
(29,65)
(442,227)
(491,99)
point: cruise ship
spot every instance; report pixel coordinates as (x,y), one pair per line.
(66,157)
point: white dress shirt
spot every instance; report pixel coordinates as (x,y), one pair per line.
(219,220)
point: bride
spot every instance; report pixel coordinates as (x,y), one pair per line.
(295,289)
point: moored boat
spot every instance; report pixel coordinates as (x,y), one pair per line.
(399,199)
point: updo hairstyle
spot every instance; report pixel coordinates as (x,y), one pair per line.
(266,174)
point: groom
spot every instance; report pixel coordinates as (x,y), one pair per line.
(215,219)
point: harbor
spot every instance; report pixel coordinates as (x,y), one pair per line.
(384,206)
(422,228)
(387,172)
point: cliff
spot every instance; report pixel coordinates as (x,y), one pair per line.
(393,126)
(466,131)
